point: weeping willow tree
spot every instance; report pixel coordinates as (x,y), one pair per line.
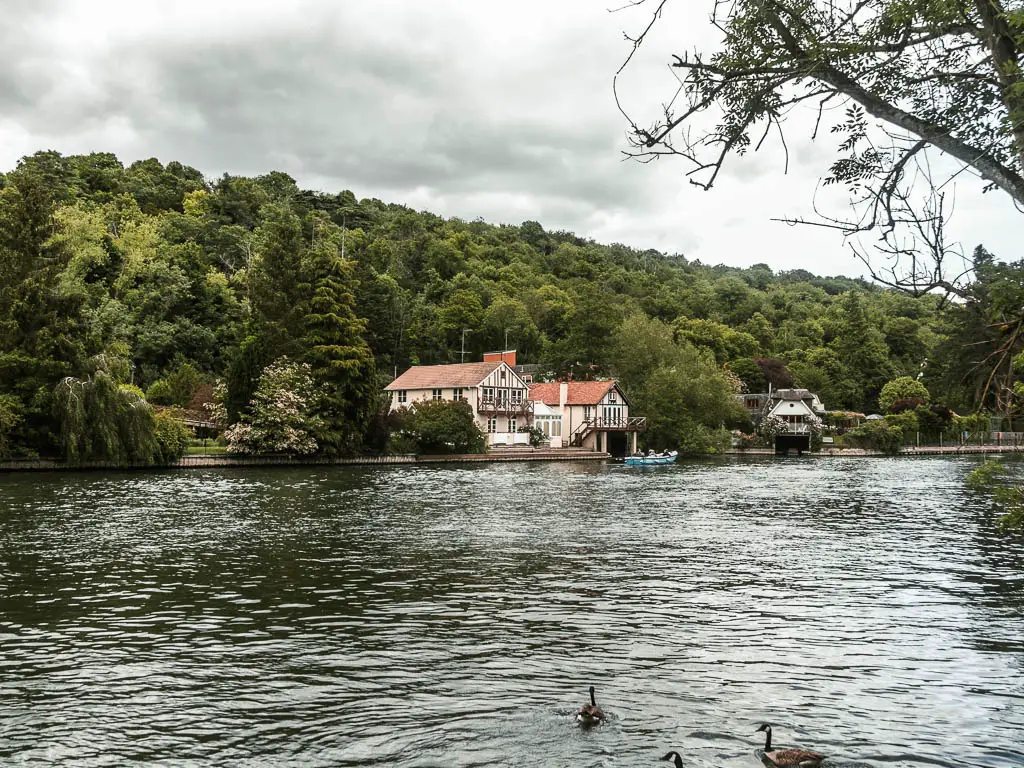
(103,419)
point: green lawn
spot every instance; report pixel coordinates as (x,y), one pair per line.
(210,449)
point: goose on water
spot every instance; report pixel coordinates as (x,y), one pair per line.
(675,758)
(590,714)
(788,758)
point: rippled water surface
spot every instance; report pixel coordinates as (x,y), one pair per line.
(455,616)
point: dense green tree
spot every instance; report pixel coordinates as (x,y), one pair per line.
(278,284)
(340,360)
(508,319)
(902,388)
(172,437)
(183,382)
(823,372)
(719,339)
(10,419)
(640,346)
(279,290)
(750,374)
(689,406)
(42,336)
(462,310)
(860,345)
(444,426)
(762,331)
(158,188)
(687,398)
(160,393)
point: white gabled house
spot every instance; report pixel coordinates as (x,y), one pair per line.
(586,414)
(799,409)
(495,392)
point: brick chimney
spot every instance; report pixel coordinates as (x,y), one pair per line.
(507,356)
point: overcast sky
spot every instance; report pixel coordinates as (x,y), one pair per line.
(470,109)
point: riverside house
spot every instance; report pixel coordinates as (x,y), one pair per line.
(586,414)
(495,392)
(798,408)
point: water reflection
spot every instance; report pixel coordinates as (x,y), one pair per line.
(454,616)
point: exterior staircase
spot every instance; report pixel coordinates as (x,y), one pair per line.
(632,424)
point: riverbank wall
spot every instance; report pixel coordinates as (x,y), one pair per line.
(226,462)
(909,450)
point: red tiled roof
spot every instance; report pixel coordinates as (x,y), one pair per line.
(440,376)
(579,392)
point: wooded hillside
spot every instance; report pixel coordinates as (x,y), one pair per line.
(149,281)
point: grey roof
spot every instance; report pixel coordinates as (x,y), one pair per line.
(792,394)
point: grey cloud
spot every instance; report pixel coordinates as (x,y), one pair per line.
(364,114)
(23,77)
(384,115)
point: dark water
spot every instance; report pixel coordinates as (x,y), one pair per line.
(455,616)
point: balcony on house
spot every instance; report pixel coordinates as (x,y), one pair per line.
(504,401)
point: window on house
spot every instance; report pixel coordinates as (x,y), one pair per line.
(511,425)
(436,394)
(502,374)
(457,393)
(556,427)
(492,425)
(752,402)
(488,394)
(401,395)
(586,413)
(612,397)
(517,396)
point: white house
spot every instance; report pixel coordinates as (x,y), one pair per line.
(497,395)
(798,408)
(586,414)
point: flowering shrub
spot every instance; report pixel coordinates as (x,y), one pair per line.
(771,427)
(537,436)
(734,381)
(280,416)
(815,428)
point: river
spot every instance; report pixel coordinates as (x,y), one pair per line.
(455,615)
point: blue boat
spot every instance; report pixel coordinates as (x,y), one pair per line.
(651,459)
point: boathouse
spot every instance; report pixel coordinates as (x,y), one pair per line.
(593,415)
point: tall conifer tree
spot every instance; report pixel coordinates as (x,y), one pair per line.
(339,356)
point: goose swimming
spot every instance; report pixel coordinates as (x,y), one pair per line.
(787,758)
(590,714)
